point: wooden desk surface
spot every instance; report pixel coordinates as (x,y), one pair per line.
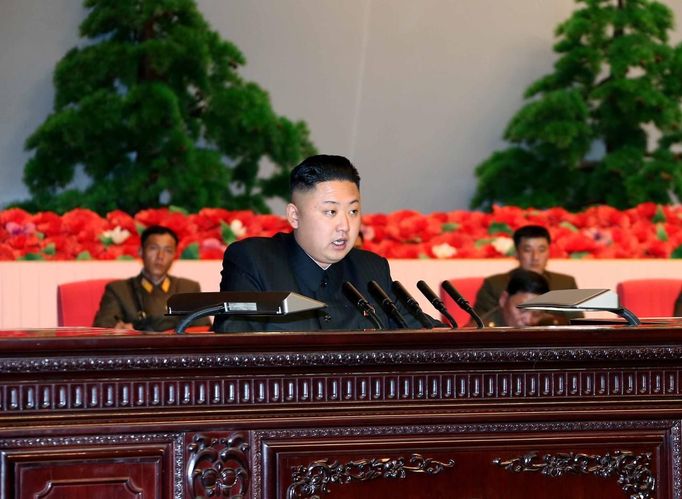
(565,411)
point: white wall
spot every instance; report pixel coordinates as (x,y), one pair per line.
(416,93)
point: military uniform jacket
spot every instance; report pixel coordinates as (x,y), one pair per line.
(488,296)
(125,300)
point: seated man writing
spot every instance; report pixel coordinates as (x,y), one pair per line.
(532,252)
(140,302)
(522,286)
(316,259)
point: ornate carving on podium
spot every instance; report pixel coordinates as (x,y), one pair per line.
(313,359)
(631,471)
(218,467)
(314,479)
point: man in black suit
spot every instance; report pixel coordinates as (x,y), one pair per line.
(316,259)
(532,251)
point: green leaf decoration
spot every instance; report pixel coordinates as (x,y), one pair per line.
(106,241)
(191,252)
(449,227)
(677,252)
(32,256)
(569,226)
(578,255)
(50,249)
(659,216)
(177,209)
(84,255)
(125,257)
(227,233)
(497,227)
(661,233)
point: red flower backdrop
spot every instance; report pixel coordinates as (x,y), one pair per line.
(646,231)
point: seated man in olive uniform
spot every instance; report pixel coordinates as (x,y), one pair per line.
(140,302)
(532,251)
(523,285)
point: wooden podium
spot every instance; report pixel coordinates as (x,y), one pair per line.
(589,411)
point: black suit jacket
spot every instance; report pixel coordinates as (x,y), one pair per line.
(279,264)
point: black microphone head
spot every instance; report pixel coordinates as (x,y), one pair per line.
(456,295)
(361,302)
(436,302)
(428,292)
(377,291)
(400,289)
(352,293)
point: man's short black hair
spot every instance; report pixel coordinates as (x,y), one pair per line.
(157,229)
(322,168)
(530,231)
(526,281)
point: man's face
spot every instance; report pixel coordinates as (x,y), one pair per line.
(326,220)
(518,317)
(158,254)
(533,253)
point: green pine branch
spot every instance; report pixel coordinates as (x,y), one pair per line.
(152,110)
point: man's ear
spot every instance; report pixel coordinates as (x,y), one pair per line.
(503,299)
(292,215)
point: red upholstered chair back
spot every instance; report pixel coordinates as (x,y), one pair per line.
(77,302)
(467,287)
(649,297)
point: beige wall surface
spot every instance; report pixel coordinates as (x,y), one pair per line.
(416,93)
(28,290)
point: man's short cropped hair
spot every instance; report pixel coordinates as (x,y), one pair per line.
(527,281)
(322,168)
(157,230)
(530,231)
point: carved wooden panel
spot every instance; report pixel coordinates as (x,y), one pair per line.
(106,467)
(217,465)
(586,460)
(238,391)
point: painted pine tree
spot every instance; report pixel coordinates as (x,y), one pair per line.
(152,110)
(606,126)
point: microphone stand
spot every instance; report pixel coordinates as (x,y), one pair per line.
(436,302)
(412,305)
(387,304)
(363,305)
(462,302)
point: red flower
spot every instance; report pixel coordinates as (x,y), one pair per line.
(48,223)
(6,252)
(121,219)
(174,220)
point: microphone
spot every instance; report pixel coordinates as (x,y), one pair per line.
(361,302)
(462,302)
(387,304)
(412,304)
(436,302)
